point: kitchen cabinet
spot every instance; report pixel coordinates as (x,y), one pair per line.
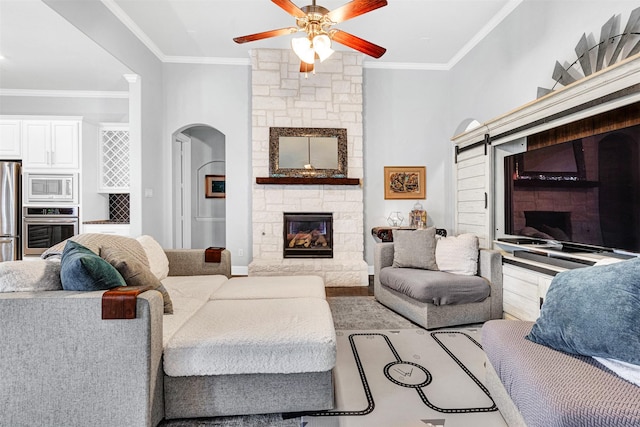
(50,144)
(113,164)
(10,144)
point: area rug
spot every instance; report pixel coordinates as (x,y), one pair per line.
(407,378)
(413,356)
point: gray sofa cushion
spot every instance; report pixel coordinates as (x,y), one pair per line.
(435,287)
(415,248)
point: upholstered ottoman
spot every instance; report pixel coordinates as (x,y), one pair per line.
(267,287)
(249,356)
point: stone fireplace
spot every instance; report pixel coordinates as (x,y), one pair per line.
(331,98)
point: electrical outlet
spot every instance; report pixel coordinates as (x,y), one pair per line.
(240,252)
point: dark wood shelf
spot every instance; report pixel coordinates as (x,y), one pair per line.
(286,180)
(542,183)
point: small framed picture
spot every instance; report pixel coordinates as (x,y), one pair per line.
(214,186)
(405,182)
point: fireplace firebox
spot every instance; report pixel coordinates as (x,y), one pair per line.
(308,235)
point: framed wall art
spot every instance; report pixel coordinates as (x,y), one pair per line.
(405,182)
(214,186)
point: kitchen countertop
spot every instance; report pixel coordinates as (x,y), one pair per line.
(106,221)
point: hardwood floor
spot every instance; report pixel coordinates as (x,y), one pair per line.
(351,291)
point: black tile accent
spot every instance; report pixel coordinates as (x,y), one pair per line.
(119,207)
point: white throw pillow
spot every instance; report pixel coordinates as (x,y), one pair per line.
(158,261)
(458,254)
(30,276)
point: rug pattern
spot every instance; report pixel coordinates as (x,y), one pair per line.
(409,378)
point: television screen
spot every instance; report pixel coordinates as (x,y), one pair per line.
(585,191)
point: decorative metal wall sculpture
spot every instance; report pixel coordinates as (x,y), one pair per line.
(612,47)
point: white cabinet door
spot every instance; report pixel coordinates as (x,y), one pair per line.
(10,145)
(36,143)
(64,145)
(50,144)
(113,173)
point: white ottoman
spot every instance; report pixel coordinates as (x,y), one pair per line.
(269,287)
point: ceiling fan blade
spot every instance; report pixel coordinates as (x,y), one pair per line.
(305,68)
(265,35)
(354,8)
(290,8)
(357,43)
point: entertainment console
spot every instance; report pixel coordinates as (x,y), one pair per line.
(528,267)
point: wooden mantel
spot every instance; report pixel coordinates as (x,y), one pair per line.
(286,180)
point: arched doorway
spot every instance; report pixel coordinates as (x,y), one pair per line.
(199,211)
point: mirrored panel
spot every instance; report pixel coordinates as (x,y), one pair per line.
(318,152)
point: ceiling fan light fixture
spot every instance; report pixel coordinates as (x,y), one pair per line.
(322,46)
(302,48)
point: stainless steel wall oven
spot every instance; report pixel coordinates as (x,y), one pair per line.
(43,227)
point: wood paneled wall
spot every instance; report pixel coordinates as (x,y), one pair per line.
(611,120)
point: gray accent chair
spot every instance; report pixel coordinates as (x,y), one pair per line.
(430,316)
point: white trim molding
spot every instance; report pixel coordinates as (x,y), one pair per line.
(64,93)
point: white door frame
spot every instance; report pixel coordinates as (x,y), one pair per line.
(182,192)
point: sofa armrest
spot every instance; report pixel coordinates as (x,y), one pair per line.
(382,257)
(190,262)
(61,364)
(490,267)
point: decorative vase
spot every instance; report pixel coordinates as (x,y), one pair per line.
(418,216)
(395,219)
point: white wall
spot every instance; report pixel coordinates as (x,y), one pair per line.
(405,113)
(148,214)
(217,96)
(504,71)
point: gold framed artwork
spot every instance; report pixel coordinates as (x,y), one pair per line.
(214,186)
(405,182)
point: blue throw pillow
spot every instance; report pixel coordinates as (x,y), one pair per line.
(593,311)
(83,270)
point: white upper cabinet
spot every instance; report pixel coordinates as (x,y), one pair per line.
(50,144)
(113,169)
(10,146)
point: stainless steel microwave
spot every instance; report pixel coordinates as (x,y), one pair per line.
(56,188)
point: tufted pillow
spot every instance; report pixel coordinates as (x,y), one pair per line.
(458,254)
(593,311)
(83,270)
(415,248)
(158,261)
(26,276)
(136,273)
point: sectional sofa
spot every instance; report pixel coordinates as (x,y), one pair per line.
(232,346)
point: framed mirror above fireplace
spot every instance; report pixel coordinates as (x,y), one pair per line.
(308,152)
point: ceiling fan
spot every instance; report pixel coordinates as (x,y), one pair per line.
(317,21)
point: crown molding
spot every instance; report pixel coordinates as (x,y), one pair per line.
(405,66)
(128,22)
(64,93)
(484,31)
(206,60)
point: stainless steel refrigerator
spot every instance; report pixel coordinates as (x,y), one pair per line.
(10,211)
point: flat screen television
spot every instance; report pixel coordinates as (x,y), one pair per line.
(583,193)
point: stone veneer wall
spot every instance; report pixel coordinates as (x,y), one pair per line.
(331,98)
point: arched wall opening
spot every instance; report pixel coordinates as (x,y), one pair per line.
(199,173)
